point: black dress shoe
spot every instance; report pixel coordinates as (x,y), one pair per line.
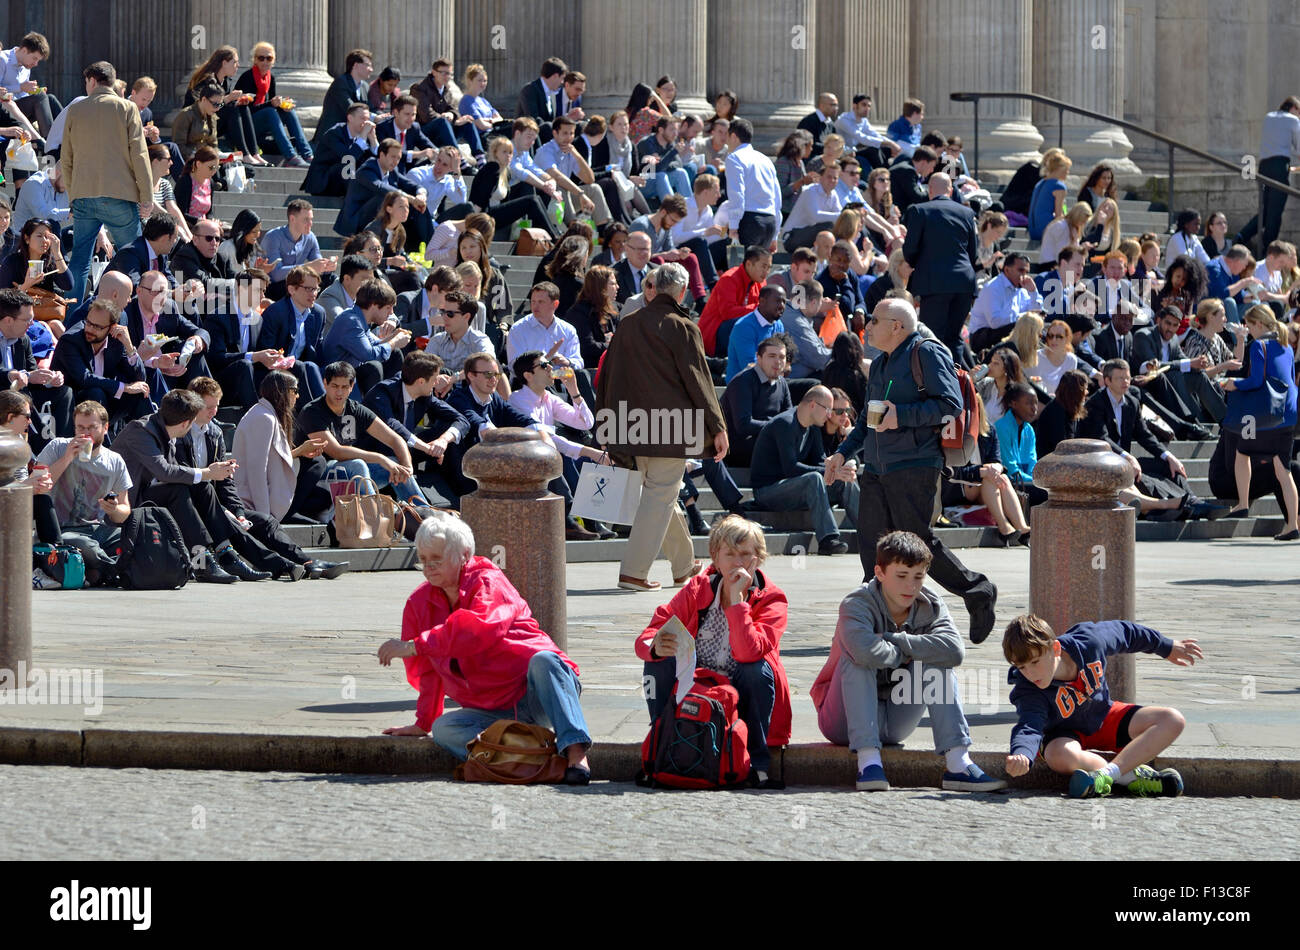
(576,776)
(695,520)
(318,569)
(1195,434)
(294,572)
(236,565)
(213,574)
(1288,536)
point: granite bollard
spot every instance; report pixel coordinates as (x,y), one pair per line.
(1082,563)
(517,522)
(15,559)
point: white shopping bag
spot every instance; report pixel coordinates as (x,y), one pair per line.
(237,180)
(22,157)
(607,493)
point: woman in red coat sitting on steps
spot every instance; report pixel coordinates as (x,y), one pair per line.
(737,616)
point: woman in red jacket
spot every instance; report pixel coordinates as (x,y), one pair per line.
(467,634)
(737,616)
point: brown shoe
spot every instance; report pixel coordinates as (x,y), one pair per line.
(635,583)
(573,531)
(695,569)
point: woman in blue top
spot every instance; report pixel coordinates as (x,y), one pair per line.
(1047,203)
(474,103)
(1017,441)
(1269,367)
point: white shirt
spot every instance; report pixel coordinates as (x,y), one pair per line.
(813,206)
(1000,304)
(695,223)
(528,334)
(1050,374)
(1280,136)
(1272,280)
(752,183)
(1182,244)
(857,133)
(547,408)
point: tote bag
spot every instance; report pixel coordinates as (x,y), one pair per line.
(607,493)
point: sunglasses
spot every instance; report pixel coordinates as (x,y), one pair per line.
(205,237)
(839,412)
(1056,336)
(265,59)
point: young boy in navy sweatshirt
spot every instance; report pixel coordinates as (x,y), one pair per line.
(1060,693)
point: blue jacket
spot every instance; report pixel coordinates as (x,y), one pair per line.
(326,176)
(915,443)
(1018,445)
(133,260)
(1251,398)
(1079,706)
(351,341)
(365,192)
(746,334)
(279,325)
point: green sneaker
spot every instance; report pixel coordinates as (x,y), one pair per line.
(1090,784)
(1149,783)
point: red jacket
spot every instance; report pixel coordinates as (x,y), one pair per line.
(477,654)
(734,295)
(755,626)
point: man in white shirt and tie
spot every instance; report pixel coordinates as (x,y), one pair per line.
(814,210)
(1002,302)
(752,189)
(630,272)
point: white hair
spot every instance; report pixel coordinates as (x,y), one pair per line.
(671,279)
(441,526)
(895,309)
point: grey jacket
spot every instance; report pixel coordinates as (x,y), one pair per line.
(869,637)
(813,353)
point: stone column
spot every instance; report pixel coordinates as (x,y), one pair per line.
(977,46)
(512,38)
(296,28)
(764,49)
(15,565)
(406,34)
(517,522)
(622,46)
(863,48)
(128,25)
(1081,565)
(1182,49)
(1079,58)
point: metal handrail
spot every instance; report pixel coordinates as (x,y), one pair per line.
(1064,107)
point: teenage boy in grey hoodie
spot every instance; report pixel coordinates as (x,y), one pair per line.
(892,661)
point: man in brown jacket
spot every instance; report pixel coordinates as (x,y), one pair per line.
(106,166)
(656,403)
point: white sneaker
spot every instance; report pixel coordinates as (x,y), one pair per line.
(43,581)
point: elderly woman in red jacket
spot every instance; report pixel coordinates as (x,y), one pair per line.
(737,616)
(467,634)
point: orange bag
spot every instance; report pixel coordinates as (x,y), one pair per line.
(832,326)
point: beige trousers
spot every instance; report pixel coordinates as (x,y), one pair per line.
(659,523)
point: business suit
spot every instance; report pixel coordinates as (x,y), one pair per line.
(133,260)
(1177,391)
(1125,291)
(366,193)
(56,400)
(386,399)
(326,176)
(498,412)
(1109,345)
(265,545)
(334,300)
(188,263)
(627,283)
(351,341)
(906,186)
(1099,423)
(942,246)
(343,91)
(226,351)
(409,311)
(278,332)
(537,100)
(74,358)
(173,324)
(414,141)
(158,476)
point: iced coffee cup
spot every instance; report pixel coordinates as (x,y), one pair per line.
(876,410)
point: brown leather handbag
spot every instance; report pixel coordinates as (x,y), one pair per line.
(533,242)
(49,305)
(509,752)
(366,521)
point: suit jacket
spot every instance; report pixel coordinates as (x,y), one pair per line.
(75,360)
(225,344)
(1147,344)
(188,262)
(169,322)
(279,326)
(325,176)
(943,246)
(23,356)
(215,438)
(385,399)
(1099,423)
(409,311)
(265,479)
(150,456)
(1104,345)
(416,141)
(817,128)
(498,412)
(343,91)
(575,104)
(333,299)
(351,341)
(905,185)
(1127,291)
(626,281)
(537,101)
(364,194)
(133,260)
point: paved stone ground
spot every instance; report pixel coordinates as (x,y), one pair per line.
(299,658)
(54,813)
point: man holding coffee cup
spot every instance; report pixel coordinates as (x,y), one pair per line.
(902,457)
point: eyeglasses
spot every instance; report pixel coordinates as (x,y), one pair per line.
(822,405)
(540,366)
(312,289)
(475,372)
(98,326)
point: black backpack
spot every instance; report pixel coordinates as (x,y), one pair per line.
(152,553)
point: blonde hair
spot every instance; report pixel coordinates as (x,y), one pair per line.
(992,219)
(1131,250)
(1203,310)
(472,72)
(465,268)
(735,532)
(1078,215)
(833,139)
(1110,235)
(1024,336)
(262,47)
(1263,315)
(846,225)
(1054,160)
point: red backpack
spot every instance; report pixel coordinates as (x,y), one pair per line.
(956,436)
(699,743)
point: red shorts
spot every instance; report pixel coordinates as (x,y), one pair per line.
(1111,737)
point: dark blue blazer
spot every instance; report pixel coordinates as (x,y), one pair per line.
(343,91)
(942,247)
(385,400)
(224,339)
(364,194)
(72,357)
(498,412)
(416,141)
(279,326)
(325,176)
(169,322)
(536,101)
(133,261)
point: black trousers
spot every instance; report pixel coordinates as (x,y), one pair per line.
(757,229)
(309,498)
(237,388)
(908,500)
(266,546)
(527,206)
(40,108)
(130,407)
(1274,203)
(197,511)
(945,314)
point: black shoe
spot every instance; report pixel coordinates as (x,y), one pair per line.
(213,574)
(1288,536)
(832,544)
(601,529)
(1195,433)
(1024,538)
(576,776)
(328,570)
(236,565)
(576,532)
(767,784)
(982,607)
(1008,539)
(696,520)
(294,572)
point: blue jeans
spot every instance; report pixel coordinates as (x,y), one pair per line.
(407,491)
(756,685)
(855,713)
(442,133)
(551,701)
(672,182)
(284,127)
(807,492)
(122,218)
